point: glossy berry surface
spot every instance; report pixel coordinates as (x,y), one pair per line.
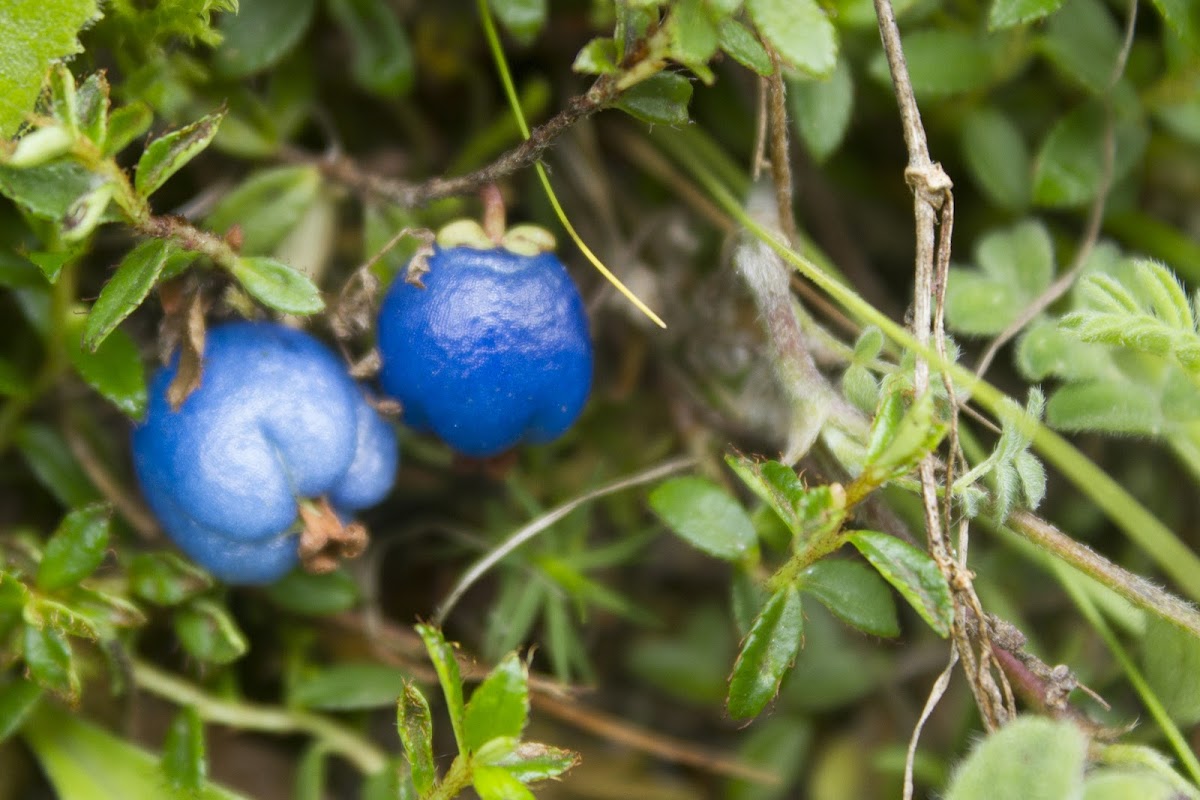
(494,351)
(276,419)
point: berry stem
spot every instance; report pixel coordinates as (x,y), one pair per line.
(493,212)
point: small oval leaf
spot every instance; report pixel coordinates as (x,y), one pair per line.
(76,548)
(767,653)
(913,573)
(277,285)
(855,594)
(167,154)
(705,516)
(499,707)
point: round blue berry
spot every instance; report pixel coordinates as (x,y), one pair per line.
(493,351)
(276,420)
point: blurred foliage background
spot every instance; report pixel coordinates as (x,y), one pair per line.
(310,132)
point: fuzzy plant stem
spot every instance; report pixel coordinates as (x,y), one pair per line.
(356,749)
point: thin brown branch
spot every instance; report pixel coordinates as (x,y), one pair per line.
(408,194)
(125,503)
(658,745)
(781,161)
(932,198)
(399,646)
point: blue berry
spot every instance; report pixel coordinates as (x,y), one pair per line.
(275,421)
(493,351)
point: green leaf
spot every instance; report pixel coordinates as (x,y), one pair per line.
(277,285)
(184,762)
(702,514)
(776,485)
(84,761)
(1170,663)
(740,43)
(114,369)
(48,191)
(317,595)
(208,632)
(530,762)
(349,687)
(382,56)
(1117,784)
(18,699)
(446,666)
(167,154)
(898,441)
(1046,350)
(1183,16)
(130,284)
(1015,266)
(86,213)
(416,733)
(76,548)
(766,655)
(913,573)
(497,783)
(40,146)
(1031,758)
(32,35)
(1007,13)
(942,62)
(93,99)
(51,461)
(860,387)
(51,263)
(660,100)
(597,57)
(17,272)
(1032,475)
(126,124)
(1082,41)
(821,110)
(524,19)
(693,37)
(1123,407)
(1070,163)
(48,657)
(267,206)
(996,155)
(855,594)
(800,32)
(165,579)
(499,707)
(261,34)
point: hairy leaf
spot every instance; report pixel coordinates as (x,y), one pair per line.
(766,655)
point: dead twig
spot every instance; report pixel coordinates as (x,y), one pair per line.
(407,194)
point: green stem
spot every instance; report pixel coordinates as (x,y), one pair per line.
(356,749)
(1086,607)
(55,361)
(1142,527)
(457,779)
(1134,588)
